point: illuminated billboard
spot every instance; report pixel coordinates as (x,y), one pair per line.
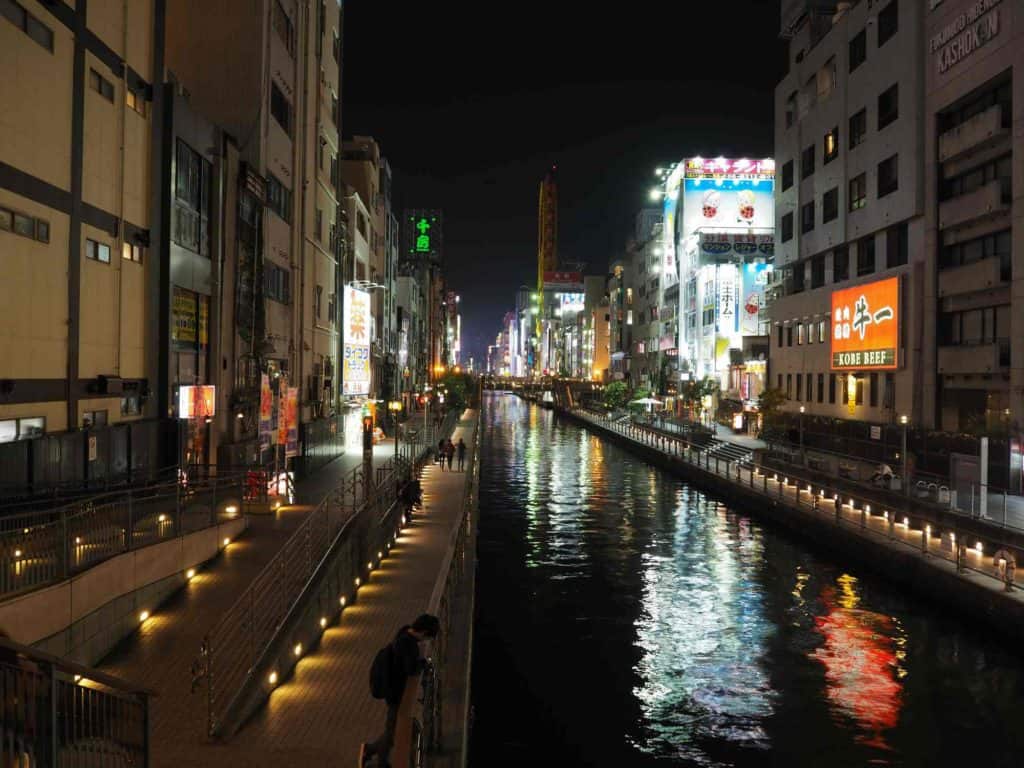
(355,375)
(865,326)
(728,195)
(755,280)
(197,402)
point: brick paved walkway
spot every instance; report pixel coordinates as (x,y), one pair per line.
(324,710)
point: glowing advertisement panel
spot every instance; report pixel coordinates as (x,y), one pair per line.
(669,212)
(865,326)
(197,402)
(355,375)
(755,279)
(724,195)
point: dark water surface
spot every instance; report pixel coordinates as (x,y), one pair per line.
(626,619)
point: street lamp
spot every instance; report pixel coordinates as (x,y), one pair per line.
(395,406)
(904,420)
(803,457)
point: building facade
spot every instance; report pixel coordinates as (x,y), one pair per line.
(848,290)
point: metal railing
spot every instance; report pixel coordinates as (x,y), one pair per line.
(966,548)
(40,547)
(428,735)
(56,713)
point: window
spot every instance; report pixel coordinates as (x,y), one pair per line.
(780,381)
(42,231)
(332,309)
(860,390)
(889,396)
(135,101)
(799,334)
(285,28)
(130,406)
(822,331)
(858,127)
(807,162)
(789,335)
(101,85)
(858,49)
(787,227)
(996,245)
(279,199)
(779,335)
(873,390)
(992,95)
(94,419)
(888,106)
(818,271)
(787,175)
(896,246)
(335,116)
(27,23)
(888,176)
(821,387)
(791,109)
(843,392)
(132,252)
(22,429)
(799,385)
(977,177)
(840,264)
(807,217)
(830,147)
(866,255)
(281,109)
(827,79)
(318,298)
(810,388)
(277,283)
(334,171)
(830,205)
(798,277)
(832,388)
(629,317)
(789,385)
(97,251)
(318,224)
(192,175)
(24,225)
(888,22)
(336,47)
(858,192)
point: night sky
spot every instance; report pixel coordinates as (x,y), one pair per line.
(471,120)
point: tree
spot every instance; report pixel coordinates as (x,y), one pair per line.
(770,404)
(615,395)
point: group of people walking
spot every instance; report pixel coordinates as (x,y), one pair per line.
(446,451)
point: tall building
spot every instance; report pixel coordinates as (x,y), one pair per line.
(547,231)
(422,254)
(79,219)
(847,327)
(270,77)
(644,277)
(973,334)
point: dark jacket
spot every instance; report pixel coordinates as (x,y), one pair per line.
(462,449)
(407,664)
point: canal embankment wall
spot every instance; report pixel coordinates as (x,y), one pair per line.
(969,593)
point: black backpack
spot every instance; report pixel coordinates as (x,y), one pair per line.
(381,671)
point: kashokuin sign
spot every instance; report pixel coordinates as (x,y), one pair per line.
(965,34)
(865,326)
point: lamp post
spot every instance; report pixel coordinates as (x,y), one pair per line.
(395,406)
(904,420)
(803,457)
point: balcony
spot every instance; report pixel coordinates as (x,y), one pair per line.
(989,200)
(973,134)
(974,358)
(978,276)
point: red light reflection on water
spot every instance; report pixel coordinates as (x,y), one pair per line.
(862,655)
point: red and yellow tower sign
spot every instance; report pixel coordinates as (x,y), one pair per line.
(547,236)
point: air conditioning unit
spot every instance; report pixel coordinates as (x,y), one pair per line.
(111,385)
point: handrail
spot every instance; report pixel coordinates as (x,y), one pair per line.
(60,713)
(792,489)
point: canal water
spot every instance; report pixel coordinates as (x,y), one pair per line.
(626,619)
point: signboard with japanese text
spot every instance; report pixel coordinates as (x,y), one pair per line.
(291,420)
(266,411)
(755,280)
(563,280)
(422,234)
(865,326)
(355,375)
(184,307)
(732,247)
(197,402)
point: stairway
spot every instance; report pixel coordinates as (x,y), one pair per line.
(729,451)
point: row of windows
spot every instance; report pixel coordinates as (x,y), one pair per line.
(806,390)
(996,244)
(24,225)
(977,177)
(105,88)
(888,182)
(888,112)
(22,429)
(279,198)
(193,179)
(97,251)
(281,109)
(27,23)
(822,335)
(897,253)
(277,283)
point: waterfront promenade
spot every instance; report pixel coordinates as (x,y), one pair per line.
(324,709)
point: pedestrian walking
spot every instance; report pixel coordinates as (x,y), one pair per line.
(450,452)
(462,454)
(441,453)
(393,667)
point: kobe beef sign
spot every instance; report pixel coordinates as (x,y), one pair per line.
(865,326)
